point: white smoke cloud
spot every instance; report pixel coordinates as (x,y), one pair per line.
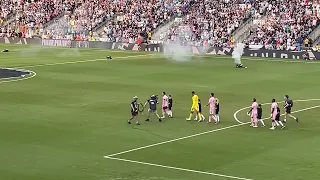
(238,52)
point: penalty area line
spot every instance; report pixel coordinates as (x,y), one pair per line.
(173,140)
(177,168)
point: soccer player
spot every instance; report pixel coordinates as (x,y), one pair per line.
(217,116)
(287,106)
(274,113)
(194,107)
(152,101)
(134,110)
(170,103)
(254,113)
(165,104)
(212,107)
(202,116)
(259,115)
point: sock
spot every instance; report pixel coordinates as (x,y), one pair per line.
(273,124)
(217,118)
(199,116)
(196,118)
(202,116)
(262,122)
(163,114)
(280,123)
(170,113)
(190,116)
(292,117)
(209,118)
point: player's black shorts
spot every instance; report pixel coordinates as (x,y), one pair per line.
(278,117)
(217,111)
(259,117)
(199,109)
(288,110)
(170,107)
(133,113)
(152,110)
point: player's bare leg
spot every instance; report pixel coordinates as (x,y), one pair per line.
(158,116)
(148,117)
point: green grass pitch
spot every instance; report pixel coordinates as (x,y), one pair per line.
(59,124)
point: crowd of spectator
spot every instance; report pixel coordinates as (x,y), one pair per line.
(140,18)
(211,22)
(196,22)
(7,8)
(288,24)
(30,16)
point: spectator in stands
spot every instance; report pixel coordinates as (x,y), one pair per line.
(288,23)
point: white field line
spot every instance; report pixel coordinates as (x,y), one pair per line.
(240,122)
(33,74)
(195,135)
(83,61)
(179,169)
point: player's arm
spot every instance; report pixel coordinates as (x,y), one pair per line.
(249,112)
(145,103)
(132,107)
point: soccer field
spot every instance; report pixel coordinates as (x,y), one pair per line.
(67,121)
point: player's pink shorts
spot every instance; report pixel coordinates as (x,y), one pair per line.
(211,110)
(254,116)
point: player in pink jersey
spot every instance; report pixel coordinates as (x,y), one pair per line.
(212,107)
(254,113)
(275,114)
(165,105)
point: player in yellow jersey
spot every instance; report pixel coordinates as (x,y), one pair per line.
(195,107)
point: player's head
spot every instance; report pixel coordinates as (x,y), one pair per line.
(199,101)
(135,98)
(254,100)
(163,93)
(273,100)
(286,96)
(259,105)
(211,94)
(169,95)
(193,93)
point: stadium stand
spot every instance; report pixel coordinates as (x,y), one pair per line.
(196,22)
(289,23)
(32,16)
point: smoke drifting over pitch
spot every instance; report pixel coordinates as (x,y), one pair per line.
(176,52)
(238,52)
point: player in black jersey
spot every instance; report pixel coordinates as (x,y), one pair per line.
(202,116)
(134,110)
(152,101)
(288,104)
(170,103)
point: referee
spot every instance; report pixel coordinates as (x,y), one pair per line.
(134,110)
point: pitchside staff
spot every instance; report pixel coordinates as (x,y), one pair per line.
(288,106)
(134,110)
(152,101)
